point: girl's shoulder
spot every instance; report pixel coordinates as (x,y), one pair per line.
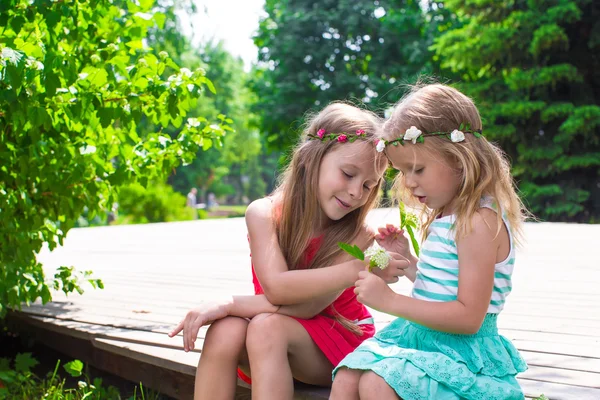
(483,227)
(260,211)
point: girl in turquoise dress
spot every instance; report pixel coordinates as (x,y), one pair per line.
(445,342)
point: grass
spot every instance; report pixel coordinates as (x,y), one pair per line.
(227,211)
(18,381)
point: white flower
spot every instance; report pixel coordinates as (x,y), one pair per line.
(457,136)
(87,149)
(412,133)
(193,122)
(380,146)
(10,55)
(34,64)
(185,72)
(378,257)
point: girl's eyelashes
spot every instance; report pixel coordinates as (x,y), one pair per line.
(418,171)
(347,175)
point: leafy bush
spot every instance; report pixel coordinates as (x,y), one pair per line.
(17,381)
(76,82)
(157,203)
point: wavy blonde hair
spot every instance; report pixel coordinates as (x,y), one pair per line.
(484,168)
(297,207)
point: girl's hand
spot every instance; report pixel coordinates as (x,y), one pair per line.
(372,291)
(392,239)
(196,319)
(395,269)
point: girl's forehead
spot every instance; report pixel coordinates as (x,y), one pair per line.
(405,155)
(361,155)
(359,150)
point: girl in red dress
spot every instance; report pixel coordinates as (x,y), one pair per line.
(304,317)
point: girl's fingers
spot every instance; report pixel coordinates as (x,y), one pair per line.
(177,329)
(185,337)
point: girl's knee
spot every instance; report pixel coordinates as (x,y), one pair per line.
(345,384)
(372,386)
(266,332)
(227,335)
(345,376)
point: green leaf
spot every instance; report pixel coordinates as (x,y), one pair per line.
(24,362)
(354,250)
(46,294)
(413,240)
(74,368)
(4,364)
(52,18)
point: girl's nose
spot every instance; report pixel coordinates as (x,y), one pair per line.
(409,182)
(355,191)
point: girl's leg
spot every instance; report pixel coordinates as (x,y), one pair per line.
(223,349)
(373,387)
(345,384)
(280,349)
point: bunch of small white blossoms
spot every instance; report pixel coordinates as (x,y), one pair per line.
(378,257)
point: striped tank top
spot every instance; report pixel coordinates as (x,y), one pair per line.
(437,269)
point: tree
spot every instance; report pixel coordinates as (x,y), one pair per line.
(225,171)
(76,79)
(312,53)
(533,68)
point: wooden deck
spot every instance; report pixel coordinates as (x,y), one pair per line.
(154,273)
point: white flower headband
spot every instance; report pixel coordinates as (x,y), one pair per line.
(415,135)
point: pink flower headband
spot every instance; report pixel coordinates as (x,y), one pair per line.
(341,137)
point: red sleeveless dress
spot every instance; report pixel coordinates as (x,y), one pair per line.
(332,338)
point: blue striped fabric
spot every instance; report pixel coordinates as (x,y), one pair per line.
(437,276)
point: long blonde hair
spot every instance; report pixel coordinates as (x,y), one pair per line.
(298,208)
(484,168)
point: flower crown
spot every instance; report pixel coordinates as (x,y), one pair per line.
(415,135)
(341,137)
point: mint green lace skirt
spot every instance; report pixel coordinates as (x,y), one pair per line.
(421,363)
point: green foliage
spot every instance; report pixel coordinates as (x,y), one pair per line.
(224,171)
(410,223)
(310,55)
(19,382)
(76,81)
(74,368)
(353,250)
(156,203)
(531,66)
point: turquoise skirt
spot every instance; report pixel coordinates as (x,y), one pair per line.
(422,363)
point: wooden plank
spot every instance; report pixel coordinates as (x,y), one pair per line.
(563,376)
(563,349)
(549,337)
(174,360)
(561,361)
(557,391)
(91,331)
